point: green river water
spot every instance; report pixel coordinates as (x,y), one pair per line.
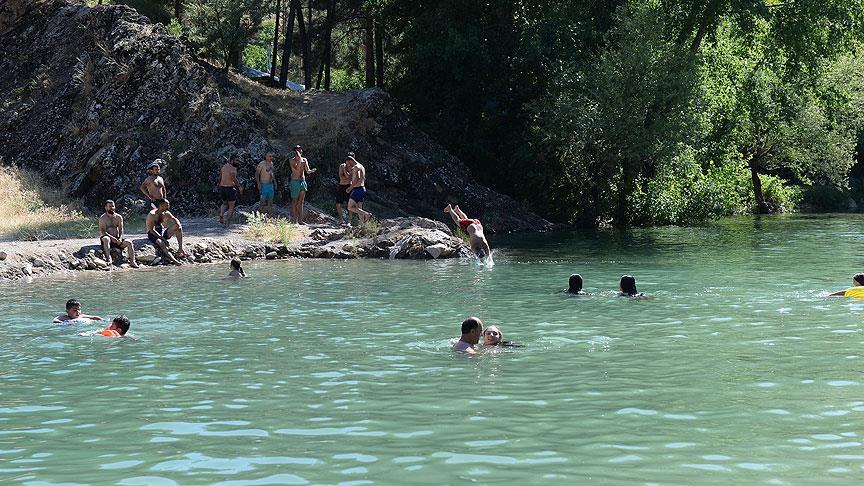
(326,372)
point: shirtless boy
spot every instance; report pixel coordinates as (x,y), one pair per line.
(229,186)
(153,186)
(342,187)
(357,191)
(299,169)
(73,311)
(266,184)
(476,238)
(111,235)
(472,329)
(161,226)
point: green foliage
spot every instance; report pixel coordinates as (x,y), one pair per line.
(255,56)
(779,196)
(342,80)
(175,28)
(155,10)
(222,28)
(824,199)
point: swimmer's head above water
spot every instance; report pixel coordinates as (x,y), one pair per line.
(119,327)
(73,308)
(858,279)
(492,336)
(628,285)
(575,284)
(472,329)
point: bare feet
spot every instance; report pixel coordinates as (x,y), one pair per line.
(447,209)
(133,264)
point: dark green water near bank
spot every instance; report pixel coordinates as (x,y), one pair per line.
(310,372)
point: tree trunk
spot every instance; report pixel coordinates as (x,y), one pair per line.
(286,51)
(689,23)
(369,50)
(275,41)
(709,19)
(178,9)
(328,43)
(379,56)
(761,207)
(304,42)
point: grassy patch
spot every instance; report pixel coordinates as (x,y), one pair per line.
(278,230)
(31,210)
(462,235)
(367,230)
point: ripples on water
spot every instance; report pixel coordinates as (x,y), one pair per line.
(339,372)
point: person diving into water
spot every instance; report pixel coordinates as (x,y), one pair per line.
(476,238)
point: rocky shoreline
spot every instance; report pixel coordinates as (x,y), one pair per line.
(398,238)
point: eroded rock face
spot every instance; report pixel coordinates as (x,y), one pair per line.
(91,95)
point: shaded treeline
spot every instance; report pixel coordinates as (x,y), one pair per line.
(621,112)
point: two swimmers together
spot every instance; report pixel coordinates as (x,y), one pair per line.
(626,286)
(472,330)
(118,328)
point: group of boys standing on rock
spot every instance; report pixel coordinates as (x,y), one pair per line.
(350,191)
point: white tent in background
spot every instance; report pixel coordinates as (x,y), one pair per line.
(256,75)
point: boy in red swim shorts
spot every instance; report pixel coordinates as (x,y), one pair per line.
(476,238)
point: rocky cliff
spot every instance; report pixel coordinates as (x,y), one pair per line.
(90,95)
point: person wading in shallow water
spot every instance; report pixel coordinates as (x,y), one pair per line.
(161,226)
(153,186)
(229,186)
(299,169)
(111,235)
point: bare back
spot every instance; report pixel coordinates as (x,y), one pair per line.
(358,176)
(228,176)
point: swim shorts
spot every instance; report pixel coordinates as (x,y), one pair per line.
(298,186)
(358,194)
(268,191)
(341,194)
(114,244)
(228,194)
(162,233)
(465,223)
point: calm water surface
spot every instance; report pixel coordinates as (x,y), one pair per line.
(332,372)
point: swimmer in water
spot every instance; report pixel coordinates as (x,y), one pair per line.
(476,238)
(73,311)
(492,336)
(856,290)
(236,269)
(472,329)
(118,327)
(575,285)
(628,288)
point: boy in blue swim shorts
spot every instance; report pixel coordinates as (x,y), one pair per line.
(266,179)
(299,169)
